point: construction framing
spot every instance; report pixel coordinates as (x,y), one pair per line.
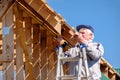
(28,31)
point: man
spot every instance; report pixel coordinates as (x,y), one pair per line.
(94,51)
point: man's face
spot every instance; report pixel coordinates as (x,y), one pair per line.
(84,35)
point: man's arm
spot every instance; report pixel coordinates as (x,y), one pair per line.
(95,50)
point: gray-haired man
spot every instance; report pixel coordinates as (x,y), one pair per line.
(94,51)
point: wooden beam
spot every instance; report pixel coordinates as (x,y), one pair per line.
(27,24)
(36,50)
(19,55)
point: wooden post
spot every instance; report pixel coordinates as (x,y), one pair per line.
(51,57)
(27,24)
(43,54)
(19,57)
(36,51)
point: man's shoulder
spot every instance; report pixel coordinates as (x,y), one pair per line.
(95,43)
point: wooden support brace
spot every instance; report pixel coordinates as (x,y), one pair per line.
(19,26)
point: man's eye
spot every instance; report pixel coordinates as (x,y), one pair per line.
(82,33)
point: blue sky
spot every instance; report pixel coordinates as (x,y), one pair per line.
(103,15)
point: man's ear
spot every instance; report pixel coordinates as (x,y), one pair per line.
(92,36)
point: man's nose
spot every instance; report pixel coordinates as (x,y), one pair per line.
(76,33)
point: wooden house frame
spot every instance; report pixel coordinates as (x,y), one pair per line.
(28,31)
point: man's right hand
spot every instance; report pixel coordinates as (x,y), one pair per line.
(61,42)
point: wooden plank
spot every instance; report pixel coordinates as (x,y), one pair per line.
(36,50)
(19,61)
(8,45)
(19,56)
(43,54)
(28,38)
(27,25)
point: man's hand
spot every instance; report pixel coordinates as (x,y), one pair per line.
(79,38)
(60,41)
